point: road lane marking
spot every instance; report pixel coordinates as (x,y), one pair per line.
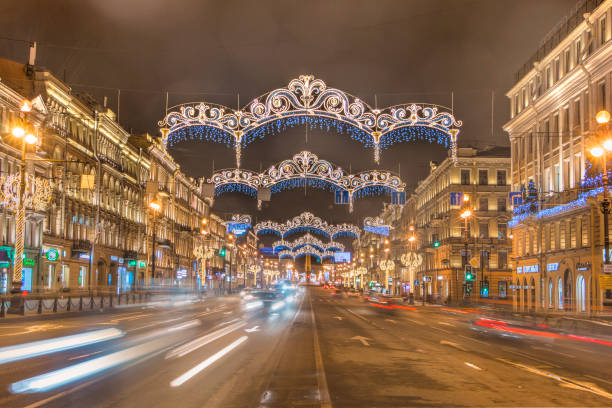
(455,345)
(202,341)
(446,324)
(476,340)
(475,367)
(439,329)
(338,317)
(530,357)
(210,360)
(86,355)
(566,382)
(154,324)
(598,379)
(415,322)
(252,329)
(321,379)
(390,321)
(363,340)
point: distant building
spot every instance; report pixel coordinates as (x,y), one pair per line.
(437,202)
(558,232)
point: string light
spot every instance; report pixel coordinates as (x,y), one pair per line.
(307,222)
(307,101)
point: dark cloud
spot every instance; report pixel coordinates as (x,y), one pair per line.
(392,51)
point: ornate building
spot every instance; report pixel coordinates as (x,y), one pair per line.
(478,182)
(97,231)
(558,241)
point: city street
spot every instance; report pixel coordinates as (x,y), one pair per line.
(319,350)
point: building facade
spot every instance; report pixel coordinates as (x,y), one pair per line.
(478,182)
(559,230)
(96,232)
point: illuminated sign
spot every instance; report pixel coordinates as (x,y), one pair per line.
(551,267)
(114,258)
(52,254)
(83,256)
(340,257)
(142,264)
(528,269)
(583,266)
(131,263)
(28,262)
(181,274)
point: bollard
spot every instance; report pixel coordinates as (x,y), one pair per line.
(2,309)
(102,302)
(91,302)
(69,301)
(80,303)
(39,311)
(55,305)
(111,300)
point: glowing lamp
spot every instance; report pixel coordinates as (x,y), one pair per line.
(466,213)
(18,131)
(608,144)
(602,117)
(154,205)
(597,151)
(30,138)
(27,107)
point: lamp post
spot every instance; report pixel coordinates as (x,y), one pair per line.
(465,215)
(26,139)
(155,207)
(603,118)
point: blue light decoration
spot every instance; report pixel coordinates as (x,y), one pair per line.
(307,101)
(376,225)
(307,222)
(309,241)
(306,169)
(239,225)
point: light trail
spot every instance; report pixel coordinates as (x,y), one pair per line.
(39,348)
(210,360)
(204,340)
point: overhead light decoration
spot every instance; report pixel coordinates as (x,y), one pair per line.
(307,222)
(376,225)
(306,169)
(307,101)
(306,250)
(386,265)
(307,240)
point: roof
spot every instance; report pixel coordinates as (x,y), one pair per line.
(494,151)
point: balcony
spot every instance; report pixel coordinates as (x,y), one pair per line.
(164,243)
(81,245)
(132,255)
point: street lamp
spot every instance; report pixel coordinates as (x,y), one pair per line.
(155,207)
(603,118)
(467,213)
(26,139)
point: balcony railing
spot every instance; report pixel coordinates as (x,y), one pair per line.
(81,245)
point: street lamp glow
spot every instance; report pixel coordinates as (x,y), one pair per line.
(204,221)
(203,231)
(597,151)
(30,138)
(602,117)
(154,205)
(608,144)
(27,107)
(466,214)
(411,239)
(18,131)
(466,198)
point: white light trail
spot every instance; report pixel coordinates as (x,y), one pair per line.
(57,378)
(277,305)
(253,305)
(210,360)
(202,341)
(39,348)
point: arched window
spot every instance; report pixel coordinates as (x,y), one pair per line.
(580,294)
(559,293)
(551,294)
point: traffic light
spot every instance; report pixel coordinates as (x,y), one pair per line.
(469,275)
(484,291)
(222,252)
(436,244)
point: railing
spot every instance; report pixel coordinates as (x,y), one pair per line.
(81,245)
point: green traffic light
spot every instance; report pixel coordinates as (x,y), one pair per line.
(222,252)
(436,244)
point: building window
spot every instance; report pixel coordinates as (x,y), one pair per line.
(501,177)
(567,60)
(566,122)
(548,77)
(578,51)
(465,177)
(556,129)
(483,204)
(557,69)
(502,230)
(502,259)
(483,228)
(483,177)
(516,104)
(501,204)
(602,97)
(547,133)
(603,35)
(590,42)
(577,118)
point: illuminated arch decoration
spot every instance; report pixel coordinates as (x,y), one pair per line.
(37,195)
(307,250)
(307,222)
(305,168)
(310,102)
(307,240)
(376,225)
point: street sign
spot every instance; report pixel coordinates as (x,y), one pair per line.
(474,262)
(607,269)
(605,282)
(426,278)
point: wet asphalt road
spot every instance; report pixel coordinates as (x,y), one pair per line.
(319,350)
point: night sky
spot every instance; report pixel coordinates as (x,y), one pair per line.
(401,51)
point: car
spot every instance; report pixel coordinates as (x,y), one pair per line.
(381,301)
(336,293)
(353,293)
